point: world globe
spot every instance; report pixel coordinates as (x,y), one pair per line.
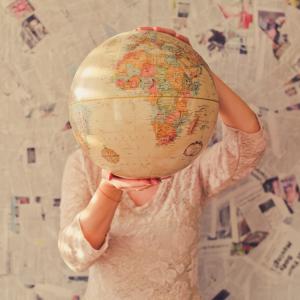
(143,104)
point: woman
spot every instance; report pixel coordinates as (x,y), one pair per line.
(139,238)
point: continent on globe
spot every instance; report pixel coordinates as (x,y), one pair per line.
(110,155)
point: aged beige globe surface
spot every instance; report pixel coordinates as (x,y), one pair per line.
(143,104)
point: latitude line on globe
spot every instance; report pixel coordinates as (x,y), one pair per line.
(126,97)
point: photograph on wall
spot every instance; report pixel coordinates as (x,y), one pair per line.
(33,31)
(181,11)
(272,23)
(238,12)
(212,41)
(20,8)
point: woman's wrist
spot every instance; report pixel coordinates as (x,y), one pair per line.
(110,190)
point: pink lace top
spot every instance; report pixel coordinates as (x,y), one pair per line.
(151,250)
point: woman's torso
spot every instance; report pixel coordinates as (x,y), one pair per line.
(153,248)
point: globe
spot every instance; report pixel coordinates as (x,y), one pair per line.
(143,104)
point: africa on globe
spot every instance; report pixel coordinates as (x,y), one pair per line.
(143,104)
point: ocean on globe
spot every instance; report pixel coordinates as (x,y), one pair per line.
(143,104)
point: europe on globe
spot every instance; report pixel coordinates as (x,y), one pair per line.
(143,104)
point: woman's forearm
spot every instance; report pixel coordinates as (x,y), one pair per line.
(97,217)
(233,110)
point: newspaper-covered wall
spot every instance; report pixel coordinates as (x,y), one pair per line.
(250,234)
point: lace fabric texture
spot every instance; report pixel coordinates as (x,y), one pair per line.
(151,250)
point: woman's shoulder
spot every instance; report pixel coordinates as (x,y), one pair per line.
(74,155)
(91,170)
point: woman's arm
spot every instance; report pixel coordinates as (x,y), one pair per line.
(241,148)
(233,110)
(84,219)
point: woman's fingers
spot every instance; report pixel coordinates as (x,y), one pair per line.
(127,184)
(157,28)
(131,184)
(165,30)
(183,38)
(155,180)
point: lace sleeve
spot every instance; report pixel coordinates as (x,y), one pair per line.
(231,159)
(74,248)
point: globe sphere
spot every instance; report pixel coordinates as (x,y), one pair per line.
(143,104)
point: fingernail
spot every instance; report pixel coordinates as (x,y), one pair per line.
(154,181)
(144,28)
(183,38)
(165,30)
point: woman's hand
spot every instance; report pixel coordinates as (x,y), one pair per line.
(126,184)
(173,33)
(165,30)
